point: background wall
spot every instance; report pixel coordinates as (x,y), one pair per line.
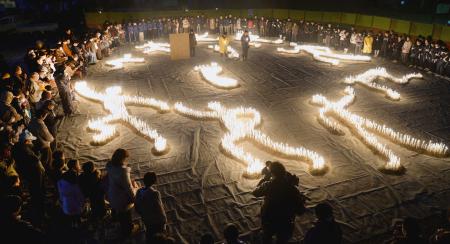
(96,19)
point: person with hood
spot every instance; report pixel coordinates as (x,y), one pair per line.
(224,41)
(44,137)
(245,42)
(192,42)
(368,42)
(325,230)
(31,171)
(150,207)
(70,195)
(121,190)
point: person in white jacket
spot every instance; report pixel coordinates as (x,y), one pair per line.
(406,48)
(121,190)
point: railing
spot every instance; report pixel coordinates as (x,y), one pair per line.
(437,31)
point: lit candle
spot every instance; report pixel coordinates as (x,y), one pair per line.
(369,77)
(241,125)
(211,74)
(323,54)
(115,103)
(361,126)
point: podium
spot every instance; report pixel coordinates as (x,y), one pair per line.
(179,46)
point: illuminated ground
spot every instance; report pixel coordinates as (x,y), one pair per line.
(203,188)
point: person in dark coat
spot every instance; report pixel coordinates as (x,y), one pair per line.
(192,42)
(91,186)
(149,205)
(32,172)
(245,42)
(12,228)
(282,201)
(325,230)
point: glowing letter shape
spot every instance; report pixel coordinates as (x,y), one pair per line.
(368,79)
(323,54)
(241,125)
(361,126)
(211,74)
(115,104)
(151,47)
(127,58)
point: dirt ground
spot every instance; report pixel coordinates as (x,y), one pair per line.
(203,189)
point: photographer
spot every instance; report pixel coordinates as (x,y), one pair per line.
(282,202)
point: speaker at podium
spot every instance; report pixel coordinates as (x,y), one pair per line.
(179,46)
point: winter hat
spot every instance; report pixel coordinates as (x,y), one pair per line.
(26,135)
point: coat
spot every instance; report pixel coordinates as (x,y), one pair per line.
(28,165)
(150,207)
(368,41)
(120,191)
(223,44)
(38,128)
(70,195)
(406,47)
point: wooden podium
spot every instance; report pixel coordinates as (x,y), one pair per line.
(179,46)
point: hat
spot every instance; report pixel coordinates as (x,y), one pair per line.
(26,135)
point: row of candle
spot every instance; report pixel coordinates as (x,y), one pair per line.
(323,54)
(369,77)
(127,58)
(241,124)
(211,74)
(361,125)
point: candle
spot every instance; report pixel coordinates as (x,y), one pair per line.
(366,130)
(211,74)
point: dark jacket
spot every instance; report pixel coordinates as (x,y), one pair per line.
(282,200)
(28,165)
(326,231)
(245,41)
(149,205)
(192,40)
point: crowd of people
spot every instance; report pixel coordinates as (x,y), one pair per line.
(46,197)
(421,52)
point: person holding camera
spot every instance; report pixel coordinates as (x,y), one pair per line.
(282,202)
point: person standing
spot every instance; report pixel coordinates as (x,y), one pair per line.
(192,42)
(149,205)
(377,44)
(368,41)
(44,137)
(70,195)
(406,48)
(282,202)
(32,172)
(91,186)
(224,41)
(245,42)
(121,190)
